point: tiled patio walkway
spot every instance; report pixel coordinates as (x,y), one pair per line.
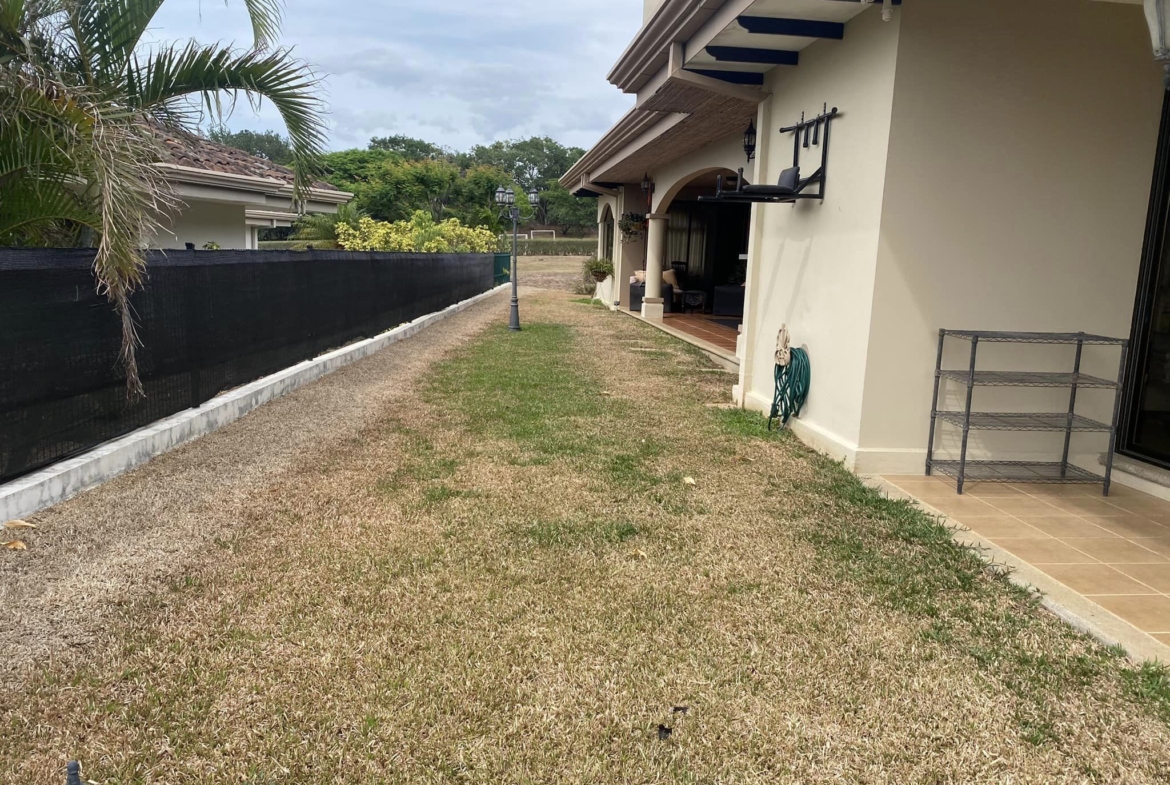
(714,330)
(1114,551)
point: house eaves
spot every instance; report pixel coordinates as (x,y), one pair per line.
(649,52)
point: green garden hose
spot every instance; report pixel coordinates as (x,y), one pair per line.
(792,385)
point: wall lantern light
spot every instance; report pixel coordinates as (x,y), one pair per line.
(1158,16)
(647,185)
(749,141)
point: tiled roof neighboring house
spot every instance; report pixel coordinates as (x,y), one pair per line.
(196,152)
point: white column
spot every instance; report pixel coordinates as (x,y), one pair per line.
(652,307)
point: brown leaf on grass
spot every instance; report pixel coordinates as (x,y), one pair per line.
(15,545)
(18,524)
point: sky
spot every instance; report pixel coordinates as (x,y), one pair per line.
(454,72)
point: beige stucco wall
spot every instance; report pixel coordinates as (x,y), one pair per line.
(812,265)
(203,222)
(1019,170)
(671,179)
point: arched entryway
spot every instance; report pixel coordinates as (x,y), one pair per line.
(704,248)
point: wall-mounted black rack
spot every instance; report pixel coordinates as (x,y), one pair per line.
(1067,422)
(791,188)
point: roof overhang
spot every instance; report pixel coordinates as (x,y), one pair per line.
(269,219)
(735,36)
(698,69)
(247,188)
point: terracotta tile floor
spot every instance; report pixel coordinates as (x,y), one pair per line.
(1114,551)
(707,329)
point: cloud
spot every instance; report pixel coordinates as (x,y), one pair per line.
(455,72)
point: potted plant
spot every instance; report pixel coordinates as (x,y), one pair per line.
(631,226)
(598,269)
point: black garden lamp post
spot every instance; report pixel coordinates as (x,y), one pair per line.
(506,197)
(749,141)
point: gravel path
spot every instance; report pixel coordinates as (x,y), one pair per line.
(137,531)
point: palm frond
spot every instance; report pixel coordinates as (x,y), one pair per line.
(267,17)
(164,84)
(107,32)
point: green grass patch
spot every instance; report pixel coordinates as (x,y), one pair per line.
(523,386)
(747,424)
(568,532)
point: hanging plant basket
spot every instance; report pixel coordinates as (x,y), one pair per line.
(632,226)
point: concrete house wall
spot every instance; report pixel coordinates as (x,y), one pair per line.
(203,222)
(812,266)
(1016,194)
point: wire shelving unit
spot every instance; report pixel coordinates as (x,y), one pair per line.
(1068,422)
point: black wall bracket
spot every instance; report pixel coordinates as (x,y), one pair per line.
(813,132)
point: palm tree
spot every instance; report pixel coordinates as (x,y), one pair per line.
(80,101)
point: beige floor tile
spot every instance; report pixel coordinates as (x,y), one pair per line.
(1046,551)
(1131,526)
(1142,505)
(1043,491)
(1156,576)
(1004,527)
(1083,505)
(985,490)
(898,479)
(1113,550)
(1157,545)
(1090,579)
(1148,614)
(1024,505)
(1066,526)
(959,507)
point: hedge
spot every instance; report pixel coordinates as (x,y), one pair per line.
(298,245)
(574,247)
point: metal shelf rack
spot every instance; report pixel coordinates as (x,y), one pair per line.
(1067,423)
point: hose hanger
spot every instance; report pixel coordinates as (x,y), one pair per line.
(808,134)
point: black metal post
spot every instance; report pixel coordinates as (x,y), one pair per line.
(1072,408)
(942,336)
(1116,417)
(514,317)
(967,415)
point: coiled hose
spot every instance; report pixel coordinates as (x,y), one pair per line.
(792,385)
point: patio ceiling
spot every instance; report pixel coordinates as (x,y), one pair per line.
(698,68)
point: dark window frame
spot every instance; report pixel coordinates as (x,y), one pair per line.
(1153,256)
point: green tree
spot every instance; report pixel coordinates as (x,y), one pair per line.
(411,149)
(80,98)
(266,144)
(530,162)
(568,212)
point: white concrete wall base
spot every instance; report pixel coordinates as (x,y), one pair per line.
(813,435)
(1141,476)
(62,480)
(652,310)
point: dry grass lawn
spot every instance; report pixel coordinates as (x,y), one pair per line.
(508,579)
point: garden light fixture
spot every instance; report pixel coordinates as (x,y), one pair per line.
(506,197)
(749,141)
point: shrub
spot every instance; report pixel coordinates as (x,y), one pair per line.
(574,247)
(421,234)
(298,245)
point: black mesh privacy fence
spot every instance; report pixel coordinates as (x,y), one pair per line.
(208,320)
